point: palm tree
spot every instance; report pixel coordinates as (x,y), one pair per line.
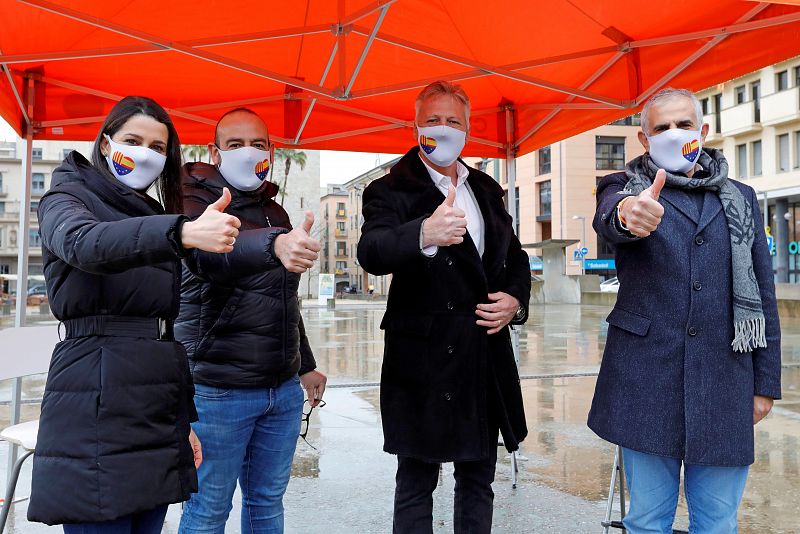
(289,156)
(194,152)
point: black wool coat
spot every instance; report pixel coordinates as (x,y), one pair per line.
(114,429)
(240,318)
(443,376)
(670,383)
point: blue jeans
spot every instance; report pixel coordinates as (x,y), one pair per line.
(149,522)
(712,493)
(249,435)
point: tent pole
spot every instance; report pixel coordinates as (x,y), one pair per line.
(511,175)
(22,264)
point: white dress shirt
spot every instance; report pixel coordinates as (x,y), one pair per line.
(465,201)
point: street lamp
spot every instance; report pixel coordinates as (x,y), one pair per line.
(583,240)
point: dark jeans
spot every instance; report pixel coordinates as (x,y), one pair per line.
(416,481)
(149,522)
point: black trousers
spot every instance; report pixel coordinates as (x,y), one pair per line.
(416,480)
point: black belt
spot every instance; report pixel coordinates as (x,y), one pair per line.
(120,326)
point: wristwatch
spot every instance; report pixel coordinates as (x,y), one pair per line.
(520,315)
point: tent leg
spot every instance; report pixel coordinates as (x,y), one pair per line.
(22,266)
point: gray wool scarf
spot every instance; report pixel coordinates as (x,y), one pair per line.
(748,314)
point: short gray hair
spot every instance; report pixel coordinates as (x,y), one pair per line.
(443,88)
(669,93)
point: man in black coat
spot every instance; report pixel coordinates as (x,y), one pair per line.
(460,277)
(241,325)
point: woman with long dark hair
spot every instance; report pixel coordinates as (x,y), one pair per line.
(114,446)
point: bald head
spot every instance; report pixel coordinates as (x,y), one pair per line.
(239,128)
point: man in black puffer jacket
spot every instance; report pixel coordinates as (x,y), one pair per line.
(241,325)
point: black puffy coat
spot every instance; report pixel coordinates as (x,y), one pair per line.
(113,435)
(240,318)
(443,377)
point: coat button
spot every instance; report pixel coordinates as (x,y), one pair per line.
(451,349)
(450,306)
(697,285)
(447,396)
(692,331)
(699,240)
(449,261)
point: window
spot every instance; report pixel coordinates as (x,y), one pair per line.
(783,153)
(718,112)
(341,267)
(516,208)
(33,235)
(544,160)
(755,146)
(341,248)
(755,93)
(797,150)
(741,161)
(797,76)
(34,207)
(782,80)
(5,268)
(544,200)
(340,211)
(37,183)
(8,150)
(340,226)
(740,94)
(632,120)
(36,153)
(610,153)
(2,208)
(704,106)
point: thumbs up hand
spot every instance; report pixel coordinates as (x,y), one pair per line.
(642,214)
(297,250)
(214,230)
(447,225)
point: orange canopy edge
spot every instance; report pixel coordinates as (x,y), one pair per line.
(343,74)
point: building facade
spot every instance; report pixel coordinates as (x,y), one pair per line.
(340,209)
(556,188)
(755,120)
(46,156)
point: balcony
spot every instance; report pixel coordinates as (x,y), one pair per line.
(37,192)
(340,272)
(739,120)
(3,191)
(781,108)
(340,233)
(341,253)
(341,214)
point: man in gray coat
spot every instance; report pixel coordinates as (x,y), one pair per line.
(692,359)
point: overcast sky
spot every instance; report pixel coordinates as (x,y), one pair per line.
(335,167)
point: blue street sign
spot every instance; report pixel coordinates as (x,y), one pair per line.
(576,254)
(536,263)
(584,251)
(770,243)
(601,265)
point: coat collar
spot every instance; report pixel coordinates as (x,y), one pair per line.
(412,176)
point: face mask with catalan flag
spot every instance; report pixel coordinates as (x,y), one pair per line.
(441,144)
(135,166)
(676,149)
(245,168)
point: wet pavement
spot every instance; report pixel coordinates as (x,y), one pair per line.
(346,485)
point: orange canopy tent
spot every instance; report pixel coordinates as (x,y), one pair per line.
(342,74)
